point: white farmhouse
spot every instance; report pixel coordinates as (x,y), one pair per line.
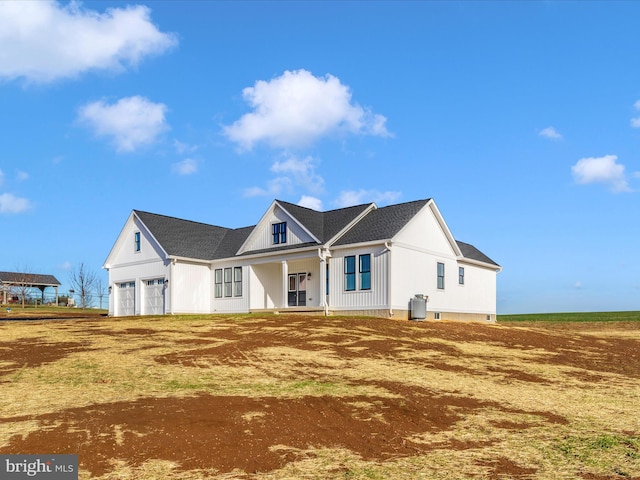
(360,260)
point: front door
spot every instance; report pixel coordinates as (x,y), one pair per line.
(297,290)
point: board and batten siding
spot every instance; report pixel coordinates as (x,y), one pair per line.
(263,233)
(266,286)
(138,272)
(231,304)
(134,265)
(189,287)
(376,297)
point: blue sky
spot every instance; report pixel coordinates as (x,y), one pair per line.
(521,120)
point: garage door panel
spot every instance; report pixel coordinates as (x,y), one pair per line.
(126,299)
(154,297)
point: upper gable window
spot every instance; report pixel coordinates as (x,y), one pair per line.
(279,232)
(136,241)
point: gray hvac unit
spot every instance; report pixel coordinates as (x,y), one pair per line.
(419,307)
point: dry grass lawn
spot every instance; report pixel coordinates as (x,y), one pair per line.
(289,397)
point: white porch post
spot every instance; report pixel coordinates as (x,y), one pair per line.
(323,281)
(285,283)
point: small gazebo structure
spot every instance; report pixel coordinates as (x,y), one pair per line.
(27,280)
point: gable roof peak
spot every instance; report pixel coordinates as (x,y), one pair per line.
(360,205)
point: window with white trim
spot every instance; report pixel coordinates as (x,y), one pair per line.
(361,281)
(461,275)
(440,276)
(350,273)
(136,241)
(237,281)
(279,232)
(218,283)
(228,285)
(365,271)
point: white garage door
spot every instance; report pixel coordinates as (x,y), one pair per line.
(154,297)
(126,299)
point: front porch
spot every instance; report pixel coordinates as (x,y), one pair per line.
(288,286)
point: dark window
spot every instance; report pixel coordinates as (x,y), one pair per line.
(365,272)
(440,275)
(137,241)
(327,278)
(218,283)
(237,281)
(279,232)
(461,275)
(227,282)
(350,273)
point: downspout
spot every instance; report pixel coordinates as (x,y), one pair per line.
(171,265)
(387,245)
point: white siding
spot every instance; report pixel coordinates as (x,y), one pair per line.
(191,288)
(266,286)
(262,238)
(416,272)
(417,250)
(231,304)
(376,298)
(425,232)
(137,272)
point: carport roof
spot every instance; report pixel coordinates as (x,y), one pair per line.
(29,279)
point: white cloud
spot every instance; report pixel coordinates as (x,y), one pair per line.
(12,204)
(297,108)
(1,177)
(310,202)
(348,198)
(65,265)
(635,122)
(274,188)
(42,41)
(182,148)
(550,133)
(601,170)
(22,176)
(577,285)
(301,171)
(131,122)
(293,172)
(188,166)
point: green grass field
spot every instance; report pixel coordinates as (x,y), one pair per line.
(633,316)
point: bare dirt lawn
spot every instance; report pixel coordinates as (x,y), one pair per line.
(278,397)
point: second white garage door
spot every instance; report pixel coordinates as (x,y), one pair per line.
(153,303)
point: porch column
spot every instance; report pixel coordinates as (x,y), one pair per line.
(285,283)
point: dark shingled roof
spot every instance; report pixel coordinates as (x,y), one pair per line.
(469,251)
(324,225)
(383,223)
(232,242)
(33,279)
(184,238)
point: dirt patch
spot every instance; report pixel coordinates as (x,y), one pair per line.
(502,468)
(35,352)
(227,433)
(185,417)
